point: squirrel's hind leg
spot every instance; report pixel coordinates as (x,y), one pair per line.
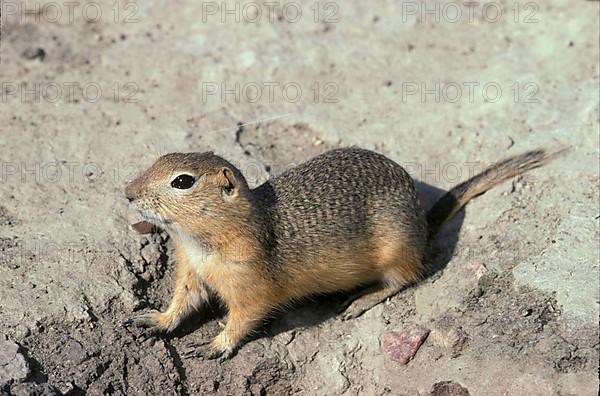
(399,263)
(365,299)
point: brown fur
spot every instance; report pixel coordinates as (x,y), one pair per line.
(346,218)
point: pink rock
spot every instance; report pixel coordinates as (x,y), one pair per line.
(402,347)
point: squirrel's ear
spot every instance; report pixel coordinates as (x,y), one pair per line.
(227,181)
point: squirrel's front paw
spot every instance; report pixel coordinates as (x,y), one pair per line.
(155,321)
(208,351)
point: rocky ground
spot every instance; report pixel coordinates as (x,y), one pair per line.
(93,92)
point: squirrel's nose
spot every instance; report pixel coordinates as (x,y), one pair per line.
(129,194)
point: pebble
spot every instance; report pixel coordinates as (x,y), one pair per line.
(13,366)
(402,347)
(448,388)
(151,254)
(448,336)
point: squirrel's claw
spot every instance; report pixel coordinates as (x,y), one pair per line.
(206,351)
(147,319)
(155,321)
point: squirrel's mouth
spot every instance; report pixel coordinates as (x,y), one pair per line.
(150,222)
(149,227)
(144,227)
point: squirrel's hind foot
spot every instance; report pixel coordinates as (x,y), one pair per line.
(365,299)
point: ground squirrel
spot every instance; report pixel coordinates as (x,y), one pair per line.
(346,218)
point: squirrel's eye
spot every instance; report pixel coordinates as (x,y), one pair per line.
(183,182)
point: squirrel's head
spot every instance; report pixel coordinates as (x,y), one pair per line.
(190,192)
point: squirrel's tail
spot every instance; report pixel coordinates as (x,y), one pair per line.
(455,199)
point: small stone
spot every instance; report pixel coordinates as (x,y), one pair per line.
(75,353)
(257,390)
(21,331)
(66,387)
(13,366)
(452,338)
(526,312)
(35,53)
(150,254)
(448,388)
(480,270)
(402,347)
(476,293)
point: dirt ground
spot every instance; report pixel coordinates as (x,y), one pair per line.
(94,92)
